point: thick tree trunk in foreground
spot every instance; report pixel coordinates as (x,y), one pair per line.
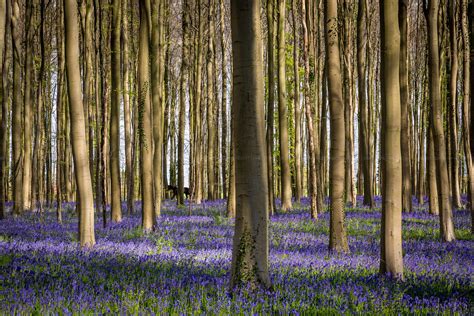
(250,248)
(442,179)
(337,232)
(3,40)
(391,257)
(78,133)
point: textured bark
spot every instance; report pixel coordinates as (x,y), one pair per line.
(250,248)
(28,106)
(129,139)
(198,156)
(442,179)
(211,126)
(145,127)
(452,106)
(297,106)
(391,257)
(283,112)
(17,129)
(364,136)
(467,98)
(60,149)
(156,96)
(224,99)
(78,133)
(405,108)
(4,22)
(231,198)
(337,232)
(271,100)
(114,152)
(432,185)
(312,185)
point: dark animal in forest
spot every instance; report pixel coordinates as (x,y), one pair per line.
(174,189)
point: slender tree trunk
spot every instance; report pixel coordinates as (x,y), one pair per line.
(283,112)
(452,106)
(404,98)
(78,133)
(60,104)
(271,100)
(114,152)
(224,99)
(297,106)
(337,232)
(17,164)
(442,179)
(145,128)
(156,94)
(467,97)
(250,248)
(312,185)
(391,257)
(364,136)
(4,22)
(211,134)
(127,110)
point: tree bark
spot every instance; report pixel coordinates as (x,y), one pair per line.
(391,257)
(78,133)
(145,127)
(405,108)
(250,247)
(114,153)
(337,232)
(297,106)
(442,179)
(211,134)
(283,112)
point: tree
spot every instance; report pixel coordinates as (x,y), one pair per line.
(364,137)
(211,107)
(156,93)
(405,136)
(114,152)
(182,98)
(78,133)
(337,235)
(391,259)
(271,100)
(17,166)
(250,247)
(145,128)
(283,111)
(4,13)
(297,106)
(442,179)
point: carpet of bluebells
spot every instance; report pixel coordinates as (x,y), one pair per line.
(183,267)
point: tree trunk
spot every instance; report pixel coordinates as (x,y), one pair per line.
(4,22)
(211,134)
(271,101)
(283,112)
(145,128)
(224,99)
(337,233)
(78,133)
(297,106)
(467,97)
(405,135)
(364,136)
(250,247)
(442,179)
(391,257)
(114,153)
(312,185)
(156,94)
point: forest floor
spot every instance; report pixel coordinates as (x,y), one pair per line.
(183,267)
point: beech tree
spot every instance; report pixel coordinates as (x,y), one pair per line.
(250,246)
